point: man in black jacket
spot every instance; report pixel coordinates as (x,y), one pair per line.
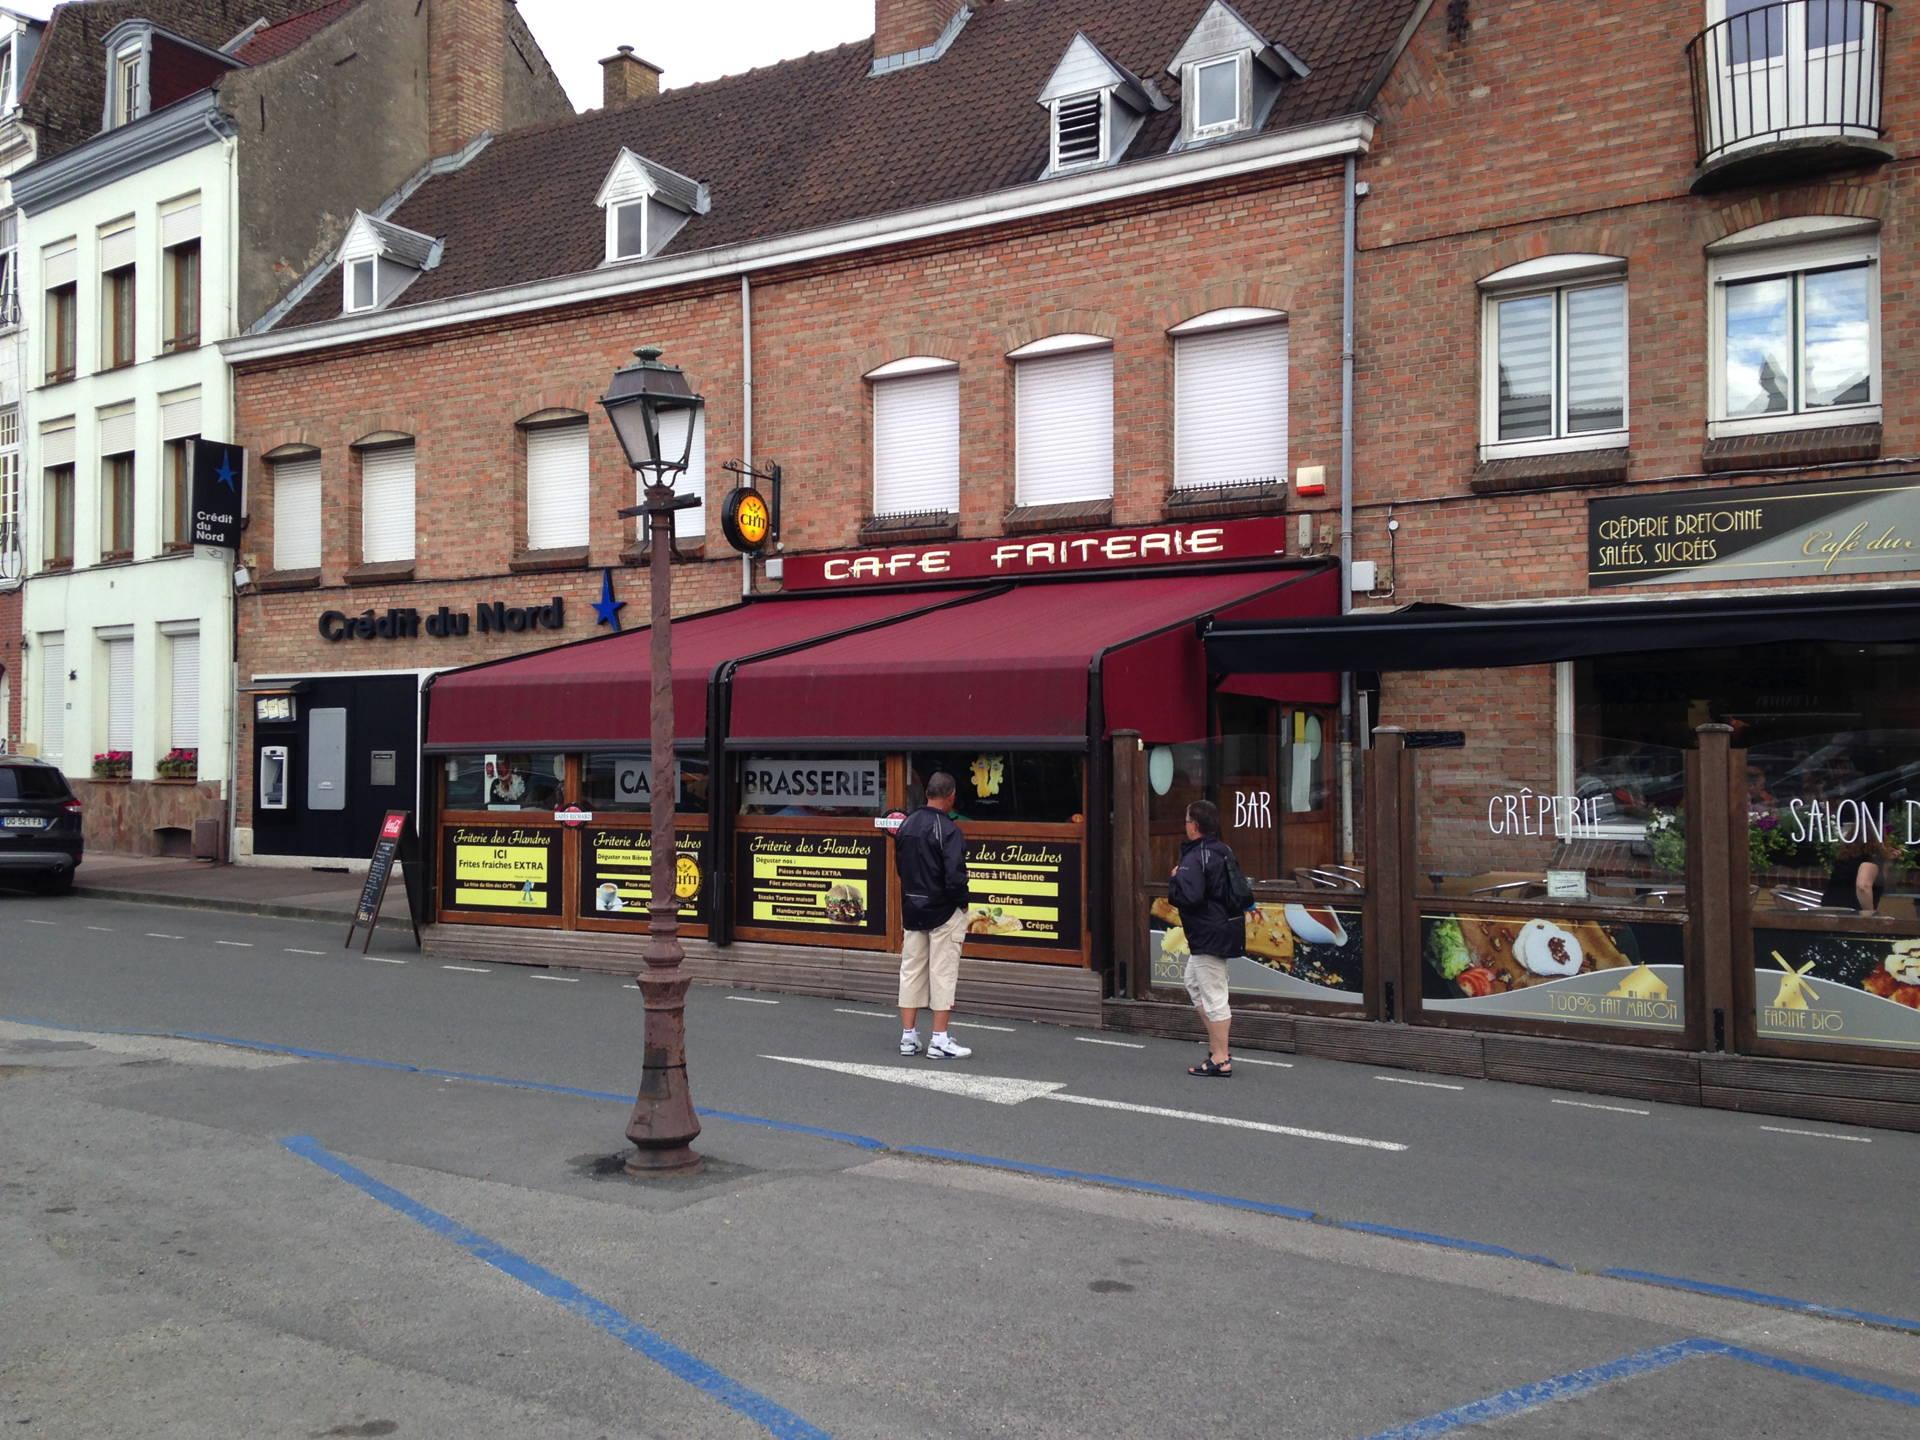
(1216,929)
(932,860)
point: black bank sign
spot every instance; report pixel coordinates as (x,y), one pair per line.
(1831,527)
(490,617)
(219,479)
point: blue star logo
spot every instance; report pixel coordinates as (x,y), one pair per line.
(225,474)
(608,608)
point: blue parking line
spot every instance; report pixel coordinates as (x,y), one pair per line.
(1870,1388)
(869,1143)
(772,1417)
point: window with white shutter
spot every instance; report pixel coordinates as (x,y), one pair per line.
(184,661)
(1230,406)
(557,487)
(916,442)
(53,695)
(296,513)
(120,694)
(1063,436)
(386,504)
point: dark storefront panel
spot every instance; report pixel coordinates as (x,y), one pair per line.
(358,761)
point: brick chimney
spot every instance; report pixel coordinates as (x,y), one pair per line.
(466,71)
(625,77)
(903,25)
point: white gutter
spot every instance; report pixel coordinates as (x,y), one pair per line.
(1333,139)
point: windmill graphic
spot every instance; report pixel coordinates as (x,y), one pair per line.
(1794,993)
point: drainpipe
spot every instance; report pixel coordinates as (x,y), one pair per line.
(230,229)
(1346,509)
(746,408)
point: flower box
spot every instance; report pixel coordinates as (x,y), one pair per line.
(178,765)
(113,765)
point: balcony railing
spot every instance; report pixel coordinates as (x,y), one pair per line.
(1801,81)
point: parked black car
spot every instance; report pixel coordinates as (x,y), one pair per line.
(39,823)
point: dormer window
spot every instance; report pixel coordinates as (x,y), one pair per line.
(7,99)
(129,83)
(1079,131)
(379,259)
(1217,96)
(1096,107)
(646,204)
(362,286)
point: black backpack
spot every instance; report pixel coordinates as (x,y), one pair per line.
(1239,888)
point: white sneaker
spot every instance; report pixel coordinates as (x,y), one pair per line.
(910,1044)
(941,1048)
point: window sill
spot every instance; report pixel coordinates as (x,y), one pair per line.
(59,377)
(531,562)
(683,554)
(115,557)
(1550,472)
(118,365)
(1204,502)
(289,580)
(177,547)
(1833,419)
(384,572)
(185,342)
(57,567)
(1073,515)
(1830,445)
(912,529)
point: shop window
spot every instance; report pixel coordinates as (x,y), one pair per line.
(846,784)
(916,437)
(1796,332)
(1063,420)
(1554,372)
(1030,787)
(625,782)
(495,781)
(1230,399)
(387,504)
(557,485)
(296,513)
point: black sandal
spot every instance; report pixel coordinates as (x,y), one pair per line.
(1210,1069)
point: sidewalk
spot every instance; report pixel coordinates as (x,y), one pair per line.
(249,889)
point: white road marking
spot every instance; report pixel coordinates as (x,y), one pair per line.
(1276,1064)
(997,1089)
(236,944)
(43,922)
(1117,1044)
(752,1000)
(562,979)
(1818,1134)
(156,935)
(101,929)
(1423,1084)
(469,969)
(1616,1109)
(869,1014)
(377,959)
(976,1025)
(629,987)
(1228,1120)
(292,951)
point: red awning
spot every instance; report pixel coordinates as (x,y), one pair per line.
(596,693)
(1016,665)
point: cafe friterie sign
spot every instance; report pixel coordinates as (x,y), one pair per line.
(1023,557)
(1832,527)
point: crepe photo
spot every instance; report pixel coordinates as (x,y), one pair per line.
(1311,943)
(1475,957)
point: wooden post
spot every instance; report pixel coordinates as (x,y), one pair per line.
(1387,876)
(1716,881)
(1128,907)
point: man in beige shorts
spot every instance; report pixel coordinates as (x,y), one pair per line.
(931,857)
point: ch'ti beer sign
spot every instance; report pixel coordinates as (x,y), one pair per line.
(1831,527)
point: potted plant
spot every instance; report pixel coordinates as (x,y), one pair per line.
(113,765)
(1768,843)
(179,764)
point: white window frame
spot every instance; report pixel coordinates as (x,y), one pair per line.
(1555,275)
(381,456)
(1103,100)
(544,520)
(128,80)
(1053,347)
(12,478)
(9,68)
(1190,90)
(613,229)
(1736,262)
(913,368)
(1215,322)
(10,274)
(372,262)
(284,541)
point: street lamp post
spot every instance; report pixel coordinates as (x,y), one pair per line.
(653,411)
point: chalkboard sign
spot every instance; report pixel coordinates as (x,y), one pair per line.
(397,839)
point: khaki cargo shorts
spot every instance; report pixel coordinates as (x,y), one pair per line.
(930,964)
(1207,984)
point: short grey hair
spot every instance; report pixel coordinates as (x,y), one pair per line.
(940,785)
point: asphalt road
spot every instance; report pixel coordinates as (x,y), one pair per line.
(168,1262)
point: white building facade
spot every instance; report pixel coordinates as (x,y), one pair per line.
(129,277)
(19,37)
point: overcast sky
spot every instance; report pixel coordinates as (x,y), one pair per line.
(689,41)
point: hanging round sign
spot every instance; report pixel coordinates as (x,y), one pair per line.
(746,520)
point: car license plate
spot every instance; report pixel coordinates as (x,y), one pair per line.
(22,822)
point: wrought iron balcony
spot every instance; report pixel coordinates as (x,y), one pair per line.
(1786,90)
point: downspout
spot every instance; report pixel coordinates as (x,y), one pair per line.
(1346,509)
(746,407)
(230,231)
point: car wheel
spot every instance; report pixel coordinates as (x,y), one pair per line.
(58,883)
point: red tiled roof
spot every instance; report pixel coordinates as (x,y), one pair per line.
(274,41)
(819,141)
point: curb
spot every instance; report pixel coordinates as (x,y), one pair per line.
(265,910)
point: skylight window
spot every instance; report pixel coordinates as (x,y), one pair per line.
(1079,131)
